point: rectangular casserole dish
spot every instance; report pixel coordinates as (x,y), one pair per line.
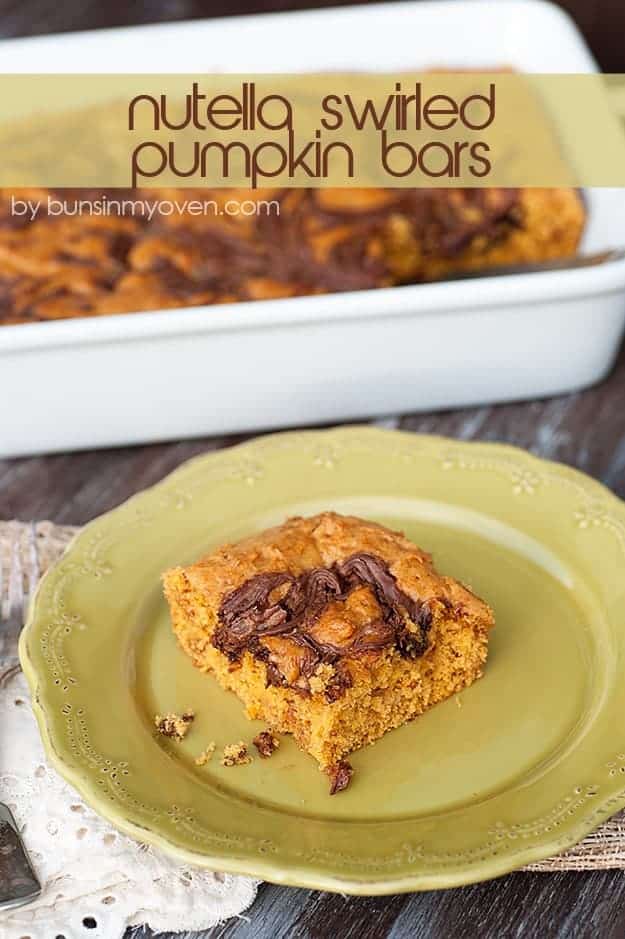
(114,380)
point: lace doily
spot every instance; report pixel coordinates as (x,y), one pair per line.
(96,881)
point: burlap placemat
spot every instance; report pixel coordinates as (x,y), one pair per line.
(27,549)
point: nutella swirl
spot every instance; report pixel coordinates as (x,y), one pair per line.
(278,604)
(317,241)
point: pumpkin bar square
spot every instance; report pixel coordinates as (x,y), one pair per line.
(331,628)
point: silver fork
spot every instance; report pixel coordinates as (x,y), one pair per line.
(17,586)
(18,881)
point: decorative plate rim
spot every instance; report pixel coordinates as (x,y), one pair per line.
(306,876)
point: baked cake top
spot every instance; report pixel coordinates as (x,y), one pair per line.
(315,241)
(328,590)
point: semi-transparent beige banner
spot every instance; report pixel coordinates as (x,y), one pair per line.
(411,130)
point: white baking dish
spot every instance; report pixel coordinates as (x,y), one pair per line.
(123,379)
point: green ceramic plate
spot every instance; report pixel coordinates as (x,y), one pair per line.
(516,768)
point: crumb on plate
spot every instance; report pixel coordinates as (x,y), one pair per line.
(176,726)
(205,755)
(266,743)
(340,776)
(235,754)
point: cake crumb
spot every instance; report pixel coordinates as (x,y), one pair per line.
(340,776)
(266,743)
(235,754)
(205,755)
(319,681)
(176,726)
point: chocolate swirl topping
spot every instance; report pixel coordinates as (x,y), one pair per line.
(279,604)
(317,241)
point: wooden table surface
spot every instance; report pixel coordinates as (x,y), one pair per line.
(586,429)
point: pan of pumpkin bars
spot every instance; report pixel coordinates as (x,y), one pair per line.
(347,298)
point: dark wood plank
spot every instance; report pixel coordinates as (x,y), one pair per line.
(73,488)
(521,906)
(586,430)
